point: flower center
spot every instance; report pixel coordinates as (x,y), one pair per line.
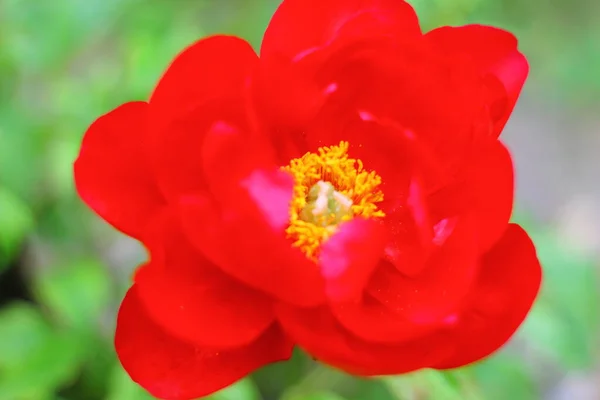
(330,188)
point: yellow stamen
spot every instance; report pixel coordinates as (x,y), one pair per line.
(330,188)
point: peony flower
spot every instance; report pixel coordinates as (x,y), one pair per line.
(344,191)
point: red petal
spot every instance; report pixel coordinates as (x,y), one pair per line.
(428,298)
(286,97)
(493,181)
(411,233)
(380,149)
(243,229)
(506,289)
(288,91)
(216,67)
(392,154)
(246,246)
(204,84)
(111,173)
(405,248)
(316,331)
(423,130)
(230,157)
(287,33)
(489,50)
(486,189)
(349,257)
(171,369)
(374,322)
(194,300)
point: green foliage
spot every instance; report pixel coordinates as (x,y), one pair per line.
(121,387)
(317,396)
(16,221)
(75,295)
(564,324)
(35,360)
(242,390)
(505,377)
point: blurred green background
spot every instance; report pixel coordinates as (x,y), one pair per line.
(63,271)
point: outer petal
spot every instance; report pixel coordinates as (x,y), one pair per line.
(506,289)
(171,369)
(204,84)
(491,51)
(193,299)
(316,331)
(492,178)
(486,189)
(348,258)
(112,174)
(212,68)
(287,32)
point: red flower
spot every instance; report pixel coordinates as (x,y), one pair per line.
(345,192)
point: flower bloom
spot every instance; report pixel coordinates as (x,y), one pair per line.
(345,192)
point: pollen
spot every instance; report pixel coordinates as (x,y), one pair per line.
(330,188)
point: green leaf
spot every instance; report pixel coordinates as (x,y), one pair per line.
(23,332)
(505,377)
(565,321)
(426,384)
(365,389)
(75,294)
(54,364)
(121,387)
(61,154)
(241,390)
(16,221)
(20,161)
(35,360)
(316,396)
(276,378)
